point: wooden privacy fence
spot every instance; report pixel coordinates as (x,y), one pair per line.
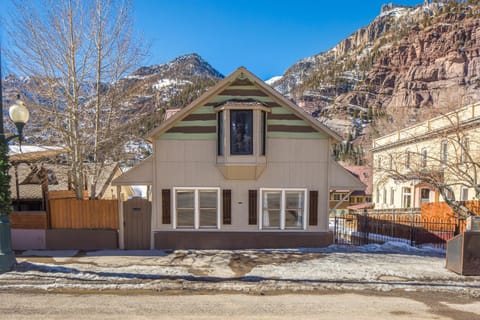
(442,209)
(28,220)
(83,214)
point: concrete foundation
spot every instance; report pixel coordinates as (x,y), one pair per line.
(240,240)
(28,239)
(81,239)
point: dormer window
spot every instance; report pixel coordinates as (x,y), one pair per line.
(241,132)
(241,139)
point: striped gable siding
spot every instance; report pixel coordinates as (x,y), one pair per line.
(281,122)
(201,124)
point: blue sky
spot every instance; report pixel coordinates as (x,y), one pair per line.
(266,36)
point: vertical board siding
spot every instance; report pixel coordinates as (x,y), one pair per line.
(252,206)
(138,215)
(227,206)
(84,214)
(166,207)
(313,208)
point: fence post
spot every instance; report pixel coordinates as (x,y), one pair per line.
(392,224)
(412,231)
(335,230)
(365,226)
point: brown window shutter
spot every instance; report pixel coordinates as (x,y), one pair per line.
(252,206)
(166,214)
(313,211)
(227,206)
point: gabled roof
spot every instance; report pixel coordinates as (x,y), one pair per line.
(220,86)
(141,174)
(365,174)
(33,153)
(342,179)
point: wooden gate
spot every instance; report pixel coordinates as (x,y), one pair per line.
(137,214)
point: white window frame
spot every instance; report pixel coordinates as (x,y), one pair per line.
(406,194)
(465,149)
(444,152)
(196,207)
(282,208)
(464,194)
(424,157)
(407,159)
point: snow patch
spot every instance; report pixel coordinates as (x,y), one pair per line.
(163,83)
(272,80)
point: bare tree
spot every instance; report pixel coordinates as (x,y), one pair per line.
(443,152)
(76,52)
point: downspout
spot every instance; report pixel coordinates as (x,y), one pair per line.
(121,222)
(155,195)
(327,203)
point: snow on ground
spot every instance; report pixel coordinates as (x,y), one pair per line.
(389,266)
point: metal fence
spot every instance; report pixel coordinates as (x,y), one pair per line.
(410,228)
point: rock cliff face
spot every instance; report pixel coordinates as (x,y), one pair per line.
(433,67)
(410,61)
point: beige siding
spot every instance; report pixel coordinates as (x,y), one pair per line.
(290,164)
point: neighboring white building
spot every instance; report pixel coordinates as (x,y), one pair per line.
(444,149)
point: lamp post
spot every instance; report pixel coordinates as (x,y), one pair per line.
(19,115)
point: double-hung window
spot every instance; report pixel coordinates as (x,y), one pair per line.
(196,208)
(283,209)
(444,152)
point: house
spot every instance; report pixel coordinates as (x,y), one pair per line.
(411,164)
(343,201)
(240,167)
(26,177)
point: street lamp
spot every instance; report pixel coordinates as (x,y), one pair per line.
(19,115)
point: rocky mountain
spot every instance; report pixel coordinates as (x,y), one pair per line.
(407,64)
(167,86)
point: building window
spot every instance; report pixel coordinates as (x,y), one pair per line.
(197,208)
(220,133)
(465,149)
(424,158)
(283,208)
(464,194)
(407,159)
(407,198)
(443,153)
(241,132)
(384,196)
(377,196)
(424,195)
(392,196)
(337,197)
